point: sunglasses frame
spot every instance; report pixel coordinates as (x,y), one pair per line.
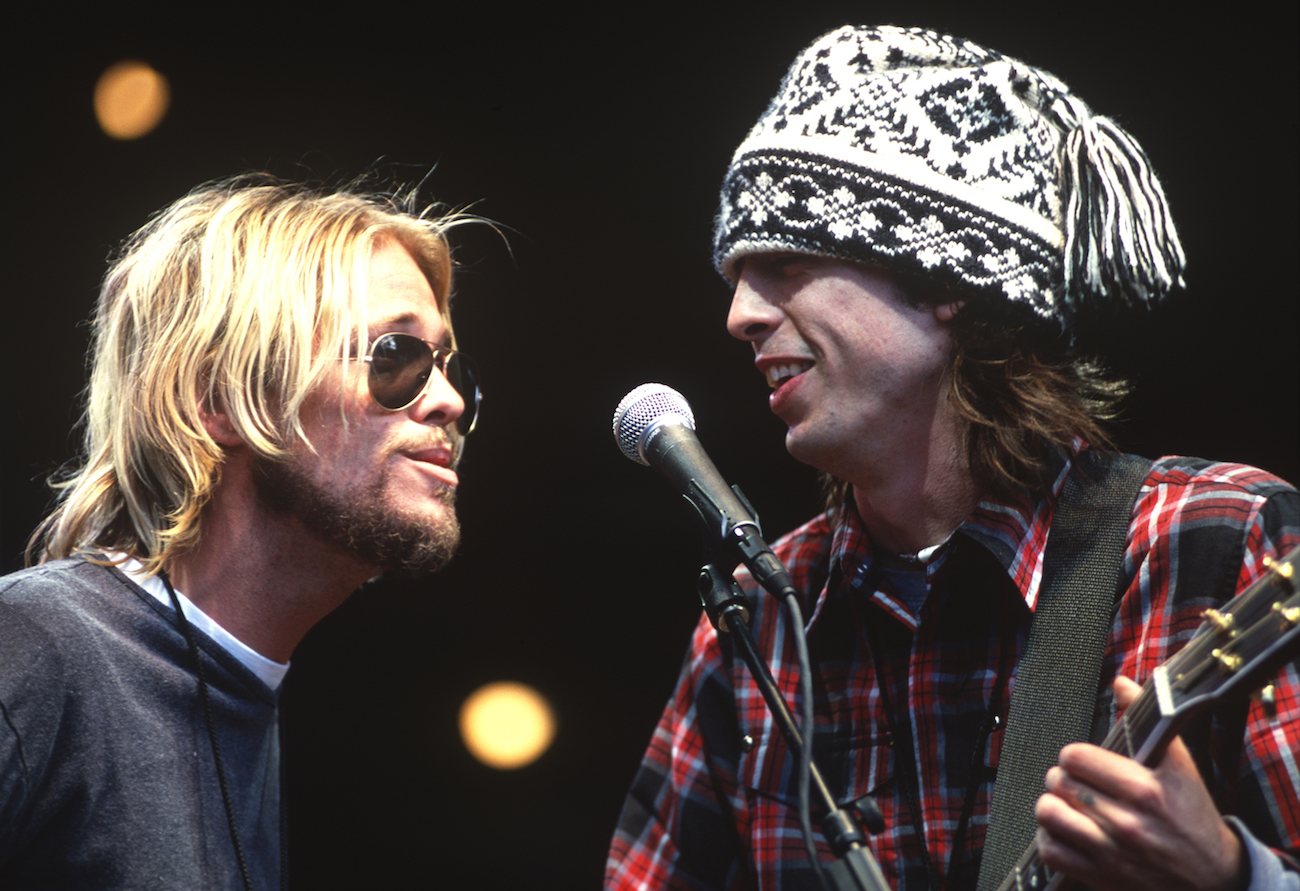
(441,357)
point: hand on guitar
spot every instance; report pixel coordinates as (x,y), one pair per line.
(1111,823)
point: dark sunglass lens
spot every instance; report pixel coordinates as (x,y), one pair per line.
(399,369)
(463,378)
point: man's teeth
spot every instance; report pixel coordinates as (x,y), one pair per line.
(779,374)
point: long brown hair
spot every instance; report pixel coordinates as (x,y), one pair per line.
(1025,394)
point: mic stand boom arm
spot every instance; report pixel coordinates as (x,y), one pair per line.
(854,867)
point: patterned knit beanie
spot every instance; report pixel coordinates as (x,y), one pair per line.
(941,159)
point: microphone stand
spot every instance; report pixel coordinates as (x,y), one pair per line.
(854,869)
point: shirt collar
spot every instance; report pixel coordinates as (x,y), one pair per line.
(1014,530)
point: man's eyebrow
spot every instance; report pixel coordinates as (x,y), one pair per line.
(385,325)
(405,320)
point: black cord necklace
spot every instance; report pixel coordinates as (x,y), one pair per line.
(206,699)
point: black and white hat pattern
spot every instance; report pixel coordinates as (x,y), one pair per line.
(937,156)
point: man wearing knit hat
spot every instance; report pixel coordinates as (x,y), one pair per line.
(922,234)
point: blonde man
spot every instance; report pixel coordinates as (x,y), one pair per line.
(275,415)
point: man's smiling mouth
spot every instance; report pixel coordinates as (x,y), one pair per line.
(779,374)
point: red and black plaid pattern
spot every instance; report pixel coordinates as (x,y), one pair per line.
(712,805)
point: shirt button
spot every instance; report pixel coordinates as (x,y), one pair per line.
(747,743)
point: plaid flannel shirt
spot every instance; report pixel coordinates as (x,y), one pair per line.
(714,802)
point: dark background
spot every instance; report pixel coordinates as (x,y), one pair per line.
(597,140)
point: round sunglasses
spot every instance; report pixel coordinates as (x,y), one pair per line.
(400,367)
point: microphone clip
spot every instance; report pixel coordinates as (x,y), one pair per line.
(721,597)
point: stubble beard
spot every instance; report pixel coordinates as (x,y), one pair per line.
(359,522)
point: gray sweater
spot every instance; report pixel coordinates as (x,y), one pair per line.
(107,777)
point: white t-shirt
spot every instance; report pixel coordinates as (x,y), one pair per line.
(271,672)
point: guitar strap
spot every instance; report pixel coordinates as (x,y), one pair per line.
(1056,681)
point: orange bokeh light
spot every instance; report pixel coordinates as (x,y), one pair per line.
(131,98)
(506,724)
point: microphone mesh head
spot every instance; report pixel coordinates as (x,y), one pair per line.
(643,407)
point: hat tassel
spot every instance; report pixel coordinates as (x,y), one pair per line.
(1120,243)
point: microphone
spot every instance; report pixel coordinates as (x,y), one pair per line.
(654,426)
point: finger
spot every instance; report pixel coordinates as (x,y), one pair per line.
(1062,858)
(1069,840)
(1111,773)
(1126,781)
(1177,760)
(1126,691)
(1060,818)
(1107,815)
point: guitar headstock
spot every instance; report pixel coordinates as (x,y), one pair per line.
(1237,647)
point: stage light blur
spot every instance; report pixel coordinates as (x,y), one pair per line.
(130,99)
(506,724)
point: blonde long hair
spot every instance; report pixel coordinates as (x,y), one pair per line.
(242,295)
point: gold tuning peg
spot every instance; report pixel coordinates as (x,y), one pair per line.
(1220,622)
(1267,697)
(1284,572)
